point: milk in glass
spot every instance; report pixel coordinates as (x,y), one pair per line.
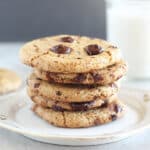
(128,26)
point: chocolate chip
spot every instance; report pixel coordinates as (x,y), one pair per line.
(79,78)
(110,66)
(119,77)
(67,39)
(117,108)
(82,106)
(109,53)
(38,79)
(61,49)
(32,65)
(95,97)
(97,77)
(36,85)
(93,49)
(105,104)
(113,85)
(57,108)
(49,77)
(66,97)
(58,93)
(113,117)
(91,86)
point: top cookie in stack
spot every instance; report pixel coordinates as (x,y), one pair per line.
(74,79)
(74,59)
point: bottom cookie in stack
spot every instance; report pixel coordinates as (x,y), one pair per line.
(83,118)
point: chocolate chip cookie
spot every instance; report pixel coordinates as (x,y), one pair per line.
(74,83)
(70,93)
(69,54)
(71,106)
(9,81)
(102,76)
(81,119)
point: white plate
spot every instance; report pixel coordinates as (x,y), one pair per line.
(16,116)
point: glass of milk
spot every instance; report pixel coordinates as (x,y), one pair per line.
(128,26)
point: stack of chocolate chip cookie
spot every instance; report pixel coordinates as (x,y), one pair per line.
(74,80)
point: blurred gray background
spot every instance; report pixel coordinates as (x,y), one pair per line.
(22,20)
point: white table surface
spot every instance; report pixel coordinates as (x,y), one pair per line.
(12,141)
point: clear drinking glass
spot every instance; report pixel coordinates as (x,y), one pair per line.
(128,26)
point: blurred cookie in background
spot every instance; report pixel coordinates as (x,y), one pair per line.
(9,81)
